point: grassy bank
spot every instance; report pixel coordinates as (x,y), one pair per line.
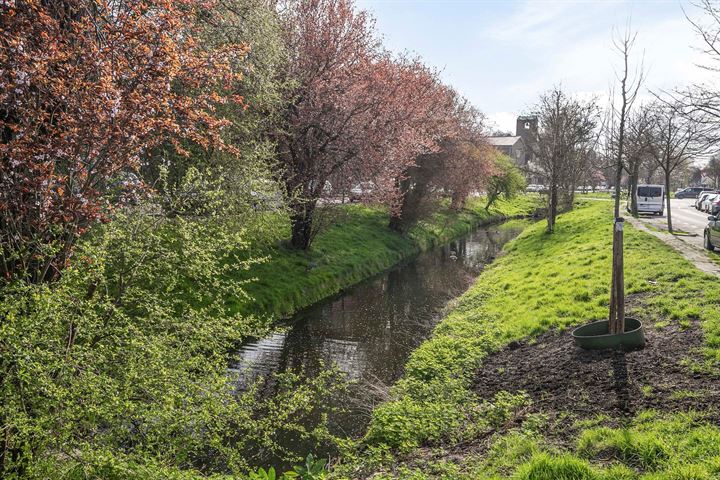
(543,283)
(358,245)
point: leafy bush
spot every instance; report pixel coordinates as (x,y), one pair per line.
(507,180)
(119,368)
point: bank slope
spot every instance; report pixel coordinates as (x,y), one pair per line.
(547,283)
(358,245)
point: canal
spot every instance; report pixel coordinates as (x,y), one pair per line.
(369,330)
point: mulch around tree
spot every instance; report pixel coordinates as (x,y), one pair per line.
(560,377)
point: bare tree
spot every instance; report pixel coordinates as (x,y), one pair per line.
(629,88)
(681,133)
(712,170)
(566,128)
(579,171)
(638,149)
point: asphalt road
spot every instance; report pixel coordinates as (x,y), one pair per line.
(685,218)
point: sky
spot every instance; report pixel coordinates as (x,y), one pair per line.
(503,54)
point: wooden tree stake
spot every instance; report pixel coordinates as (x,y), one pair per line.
(617,294)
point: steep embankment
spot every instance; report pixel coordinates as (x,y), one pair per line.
(499,391)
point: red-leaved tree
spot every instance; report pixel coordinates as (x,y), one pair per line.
(87,88)
(455,163)
(357,114)
(468,159)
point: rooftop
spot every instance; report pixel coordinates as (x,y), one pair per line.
(504,141)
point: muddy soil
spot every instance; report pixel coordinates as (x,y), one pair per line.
(560,377)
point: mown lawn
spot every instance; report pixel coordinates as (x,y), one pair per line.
(547,282)
(358,245)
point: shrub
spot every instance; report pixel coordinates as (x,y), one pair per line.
(119,369)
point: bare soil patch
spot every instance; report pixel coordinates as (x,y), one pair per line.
(560,377)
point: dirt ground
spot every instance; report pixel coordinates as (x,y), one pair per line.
(560,377)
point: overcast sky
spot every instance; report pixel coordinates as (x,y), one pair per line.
(503,54)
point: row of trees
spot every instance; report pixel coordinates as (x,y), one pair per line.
(142,145)
(102,100)
(661,138)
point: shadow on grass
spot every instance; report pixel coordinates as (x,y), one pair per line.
(620,377)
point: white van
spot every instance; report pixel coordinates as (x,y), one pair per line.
(651,199)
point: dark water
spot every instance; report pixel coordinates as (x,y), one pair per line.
(369,330)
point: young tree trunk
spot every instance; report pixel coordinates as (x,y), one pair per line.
(633,183)
(667,200)
(570,198)
(618,179)
(617,293)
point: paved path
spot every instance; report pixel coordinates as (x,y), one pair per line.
(689,220)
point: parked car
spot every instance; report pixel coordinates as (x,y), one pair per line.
(715,206)
(701,198)
(535,188)
(711,235)
(650,199)
(707,202)
(705,196)
(689,192)
(361,191)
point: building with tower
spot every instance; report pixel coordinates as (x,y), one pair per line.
(517,146)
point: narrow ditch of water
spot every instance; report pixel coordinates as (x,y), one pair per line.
(369,330)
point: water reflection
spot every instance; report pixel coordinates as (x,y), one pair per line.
(369,330)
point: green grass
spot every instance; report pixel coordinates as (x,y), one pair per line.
(653,446)
(542,282)
(358,245)
(591,194)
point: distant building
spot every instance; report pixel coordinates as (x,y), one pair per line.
(513,147)
(517,146)
(526,127)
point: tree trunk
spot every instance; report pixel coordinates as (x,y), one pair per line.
(301,219)
(633,184)
(667,199)
(570,198)
(396,223)
(618,179)
(552,208)
(458,201)
(397,217)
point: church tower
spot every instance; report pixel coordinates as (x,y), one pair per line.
(527,128)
